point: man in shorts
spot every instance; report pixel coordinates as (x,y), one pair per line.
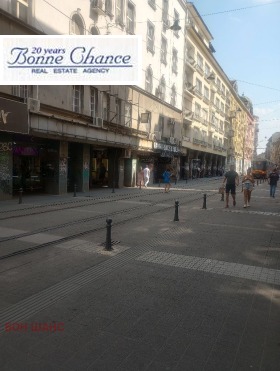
(232,181)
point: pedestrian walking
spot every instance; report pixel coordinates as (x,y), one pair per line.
(146,173)
(140,177)
(166,180)
(248,182)
(272,181)
(231,179)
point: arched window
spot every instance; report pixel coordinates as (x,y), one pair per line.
(77,25)
(94,31)
(149,80)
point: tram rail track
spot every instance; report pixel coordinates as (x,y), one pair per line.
(183,200)
(77,203)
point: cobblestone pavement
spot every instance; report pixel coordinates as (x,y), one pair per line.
(201,293)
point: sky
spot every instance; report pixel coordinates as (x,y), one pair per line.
(246,37)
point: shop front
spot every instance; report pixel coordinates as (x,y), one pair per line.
(35,164)
(13,119)
(99,166)
(167,156)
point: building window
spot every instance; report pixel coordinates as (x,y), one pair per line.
(199,61)
(119,12)
(217,103)
(93,102)
(206,70)
(150,37)
(197,109)
(204,116)
(149,80)
(173,96)
(162,89)
(222,107)
(160,124)
(219,84)
(176,19)
(204,136)
(76,25)
(127,114)
(78,96)
(94,31)
(152,4)
(199,86)
(175,60)
(108,7)
(21,91)
(163,50)
(196,133)
(130,23)
(206,92)
(105,103)
(22,10)
(118,111)
(165,19)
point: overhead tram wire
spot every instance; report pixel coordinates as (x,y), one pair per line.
(260,86)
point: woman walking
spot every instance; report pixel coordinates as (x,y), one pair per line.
(247,186)
(166,180)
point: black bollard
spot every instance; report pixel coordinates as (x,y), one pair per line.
(20,196)
(204,202)
(222,198)
(75,190)
(176,216)
(159,182)
(113,189)
(108,244)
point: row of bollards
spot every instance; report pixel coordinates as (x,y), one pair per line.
(108,243)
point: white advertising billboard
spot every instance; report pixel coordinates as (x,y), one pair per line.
(67,59)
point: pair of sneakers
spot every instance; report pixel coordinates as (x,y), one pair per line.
(247,205)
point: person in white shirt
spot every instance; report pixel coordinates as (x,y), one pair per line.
(146,172)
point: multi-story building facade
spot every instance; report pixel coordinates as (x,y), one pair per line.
(180,114)
(211,123)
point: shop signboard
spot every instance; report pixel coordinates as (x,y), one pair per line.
(13,116)
(166,147)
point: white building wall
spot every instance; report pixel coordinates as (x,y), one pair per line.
(54,17)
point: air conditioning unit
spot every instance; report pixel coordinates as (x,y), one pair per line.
(33,104)
(127,153)
(97,122)
(172,140)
